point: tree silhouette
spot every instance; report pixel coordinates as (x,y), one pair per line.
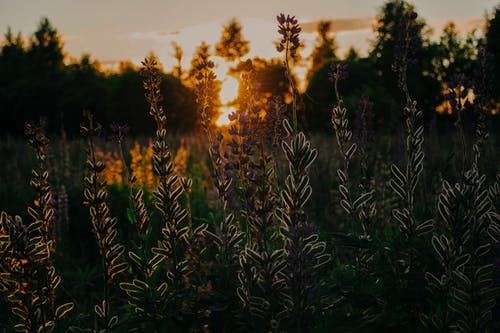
(422,82)
(178,54)
(46,48)
(493,46)
(232,46)
(453,54)
(324,49)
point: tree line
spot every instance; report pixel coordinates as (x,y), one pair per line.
(35,79)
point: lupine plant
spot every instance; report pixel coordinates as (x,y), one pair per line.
(29,276)
(467,229)
(257,261)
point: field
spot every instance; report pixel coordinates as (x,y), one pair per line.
(263,224)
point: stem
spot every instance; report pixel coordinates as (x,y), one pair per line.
(103,255)
(292,85)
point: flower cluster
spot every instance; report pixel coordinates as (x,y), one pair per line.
(141,165)
(338,71)
(406,44)
(206,90)
(289,29)
(118,132)
(274,132)
(459,88)
(114,168)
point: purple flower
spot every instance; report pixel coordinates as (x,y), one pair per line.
(119,132)
(289,29)
(274,132)
(407,43)
(459,87)
(338,71)
(250,174)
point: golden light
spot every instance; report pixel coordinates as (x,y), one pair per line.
(223,119)
(229,90)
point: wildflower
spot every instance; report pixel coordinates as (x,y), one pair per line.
(338,71)
(404,51)
(459,88)
(289,29)
(119,132)
(274,131)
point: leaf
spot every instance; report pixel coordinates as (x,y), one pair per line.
(494,232)
(63,309)
(350,152)
(461,260)
(484,272)
(99,311)
(425,227)
(156,261)
(461,295)
(439,248)
(364,198)
(342,176)
(20,328)
(347,207)
(432,280)
(461,277)
(21,313)
(398,189)
(482,250)
(398,175)
(117,269)
(112,322)
(136,259)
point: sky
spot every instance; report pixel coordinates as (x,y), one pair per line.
(116,30)
(112,30)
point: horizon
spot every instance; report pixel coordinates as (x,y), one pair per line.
(110,38)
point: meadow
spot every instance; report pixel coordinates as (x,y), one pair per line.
(261,225)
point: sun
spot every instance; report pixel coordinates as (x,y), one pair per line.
(229,90)
(223,119)
(228,93)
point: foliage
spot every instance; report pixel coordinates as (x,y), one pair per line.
(231,233)
(232,46)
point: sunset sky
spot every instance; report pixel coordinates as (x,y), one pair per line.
(113,30)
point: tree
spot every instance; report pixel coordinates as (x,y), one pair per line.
(12,57)
(31,77)
(493,47)
(232,46)
(46,48)
(83,87)
(362,80)
(453,54)
(422,83)
(324,49)
(178,54)
(13,80)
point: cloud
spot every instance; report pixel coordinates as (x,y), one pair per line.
(341,25)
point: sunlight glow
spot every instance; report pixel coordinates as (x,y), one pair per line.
(223,119)
(229,90)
